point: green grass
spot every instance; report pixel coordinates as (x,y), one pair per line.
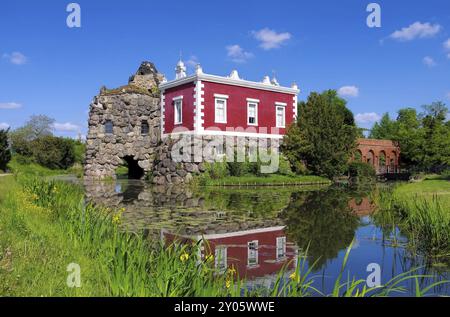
(422,212)
(45,225)
(270,180)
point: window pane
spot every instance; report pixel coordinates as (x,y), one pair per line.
(108,127)
(178,111)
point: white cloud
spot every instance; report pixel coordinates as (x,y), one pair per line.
(427,60)
(66,127)
(238,54)
(348,91)
(15,58)
(416,30)
(447,44)
(367,117)
(270,38)
(192,61)
(10,105)
(4,126)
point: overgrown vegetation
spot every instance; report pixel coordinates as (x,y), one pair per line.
(421,211)
(424,138)
(360,173)
(35,143)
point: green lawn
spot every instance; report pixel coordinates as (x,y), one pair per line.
(271,180)
(426,189)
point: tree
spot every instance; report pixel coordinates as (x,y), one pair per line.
(436,138)
(385,129)
(324,136)
(37,126)
(5,153)
(53,152)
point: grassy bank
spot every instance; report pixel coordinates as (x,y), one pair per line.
(422,212)
(270,180)
(45,226)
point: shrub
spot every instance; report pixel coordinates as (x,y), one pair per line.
(5,153)
(54,152)
(217,170)
(284,167)
(361,172)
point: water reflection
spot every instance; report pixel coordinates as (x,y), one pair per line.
(258,230)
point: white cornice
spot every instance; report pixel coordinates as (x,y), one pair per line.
(228,81)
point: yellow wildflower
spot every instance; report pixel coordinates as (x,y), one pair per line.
(209,258)
(184,257)
(116,219)
(227,283)
(293,276)
(232,270)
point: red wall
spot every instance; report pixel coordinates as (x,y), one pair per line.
(187,91)
(237,106)
(237,253)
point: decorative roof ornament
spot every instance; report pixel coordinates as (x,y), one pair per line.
(164,79)
(198,69)
(274,82)
(294,85)
(266,80)
(180,70)
(234,74)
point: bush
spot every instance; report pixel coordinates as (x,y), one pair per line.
(217,170)
(5,153)
(361,172)
(53,152)
(284,167)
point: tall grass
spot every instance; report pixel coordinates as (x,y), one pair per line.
(425,221)
(46,225)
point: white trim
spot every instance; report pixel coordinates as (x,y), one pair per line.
(252,100)
(220,96)
(177,98)
(198,106)
(294,108)
(281,104)
(225,104)
(228,133)
(175,101)
(238,233)
(253,103)
(229,81)
(284,116)
(280,243)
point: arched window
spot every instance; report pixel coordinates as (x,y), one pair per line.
(144,128)
(108,127)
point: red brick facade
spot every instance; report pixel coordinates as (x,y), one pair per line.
(384,155)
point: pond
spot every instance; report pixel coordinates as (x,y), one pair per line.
(261,230)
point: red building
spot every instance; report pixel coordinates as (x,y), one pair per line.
(253,253)
(204,104)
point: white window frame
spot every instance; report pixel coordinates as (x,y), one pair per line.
(251,104)
(225,101)
(279,106)
(176,101)
(281,248)
(220,258)
(252,254)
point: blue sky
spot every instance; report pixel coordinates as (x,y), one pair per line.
(49,68)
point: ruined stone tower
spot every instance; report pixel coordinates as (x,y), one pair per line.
(124,126)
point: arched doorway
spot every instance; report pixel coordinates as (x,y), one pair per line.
(371,158)
(357,156)
(382,162)
(134,170)
(393,162)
